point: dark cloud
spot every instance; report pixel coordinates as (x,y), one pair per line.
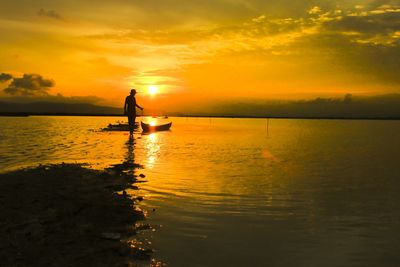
(49,13)
(365,44)
(4,77)
(387,22)
(29,85)
(378,3)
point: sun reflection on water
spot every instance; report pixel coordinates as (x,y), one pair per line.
(152,149)
(153,137)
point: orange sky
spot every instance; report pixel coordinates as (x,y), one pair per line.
(210,50)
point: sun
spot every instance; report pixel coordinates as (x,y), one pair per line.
(152,89)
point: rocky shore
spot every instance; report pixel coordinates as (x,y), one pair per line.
(70,215)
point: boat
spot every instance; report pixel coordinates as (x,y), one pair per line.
(119,127)
(148,127)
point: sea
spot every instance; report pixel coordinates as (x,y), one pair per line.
(242,192)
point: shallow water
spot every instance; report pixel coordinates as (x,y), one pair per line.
(236,192)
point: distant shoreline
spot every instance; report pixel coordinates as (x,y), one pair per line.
(24,114)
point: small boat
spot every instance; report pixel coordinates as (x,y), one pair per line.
(147,127)
(119,127)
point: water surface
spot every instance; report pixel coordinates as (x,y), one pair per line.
(232,192)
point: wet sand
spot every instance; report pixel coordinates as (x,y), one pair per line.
(70,215)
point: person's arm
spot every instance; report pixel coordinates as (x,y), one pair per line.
(139,106)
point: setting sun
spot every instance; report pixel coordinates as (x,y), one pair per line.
(153,90)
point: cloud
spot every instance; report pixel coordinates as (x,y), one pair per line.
(315,10)
(33,87)
(378,3)
(29,85)
(342,47)
(49,13)
(378,24)
(4,77)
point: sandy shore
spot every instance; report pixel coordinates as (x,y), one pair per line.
(69,215)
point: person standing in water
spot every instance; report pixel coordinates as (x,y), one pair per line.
(130,109)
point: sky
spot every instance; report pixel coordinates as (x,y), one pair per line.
(198,50)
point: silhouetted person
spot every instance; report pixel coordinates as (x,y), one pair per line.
(130,109)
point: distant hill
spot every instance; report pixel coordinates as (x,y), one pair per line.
(57,108)
(374,107)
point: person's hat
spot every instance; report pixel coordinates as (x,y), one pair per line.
(133,90)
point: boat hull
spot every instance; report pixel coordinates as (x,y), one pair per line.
(154,128)
(119,127)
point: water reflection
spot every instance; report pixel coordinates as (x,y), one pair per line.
(130,155)
(267,154)
(314,193)
(128,166)
(300,197)
(152,148)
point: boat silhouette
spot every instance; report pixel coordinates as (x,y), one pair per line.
(148,127)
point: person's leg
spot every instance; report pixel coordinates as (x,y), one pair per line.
(131,122)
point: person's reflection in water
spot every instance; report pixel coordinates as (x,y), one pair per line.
(130,144)
(129,161)
(128,165)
